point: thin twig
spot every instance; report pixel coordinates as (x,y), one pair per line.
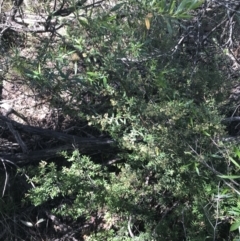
(216,222)
(6,177)
(184,228)
(129,227)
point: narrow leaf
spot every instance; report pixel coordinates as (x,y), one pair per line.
(229,177)
(162,6)
(237,152)
(40,221)
(28,224)
(172,7)
(169,27)
(235,226)
(234,162)
(83,21)
(196,4)
(197,170)
(117,7)
(147,23)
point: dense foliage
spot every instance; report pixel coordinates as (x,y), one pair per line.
(155,77)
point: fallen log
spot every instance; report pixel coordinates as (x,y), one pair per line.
(40,155)
(84,144)
(230,119)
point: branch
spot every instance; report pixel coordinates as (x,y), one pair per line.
(45,154)
(84,144)
(230,119)
(87,142)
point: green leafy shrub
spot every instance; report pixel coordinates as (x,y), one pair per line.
(161,110)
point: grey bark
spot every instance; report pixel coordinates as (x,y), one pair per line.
(84,144)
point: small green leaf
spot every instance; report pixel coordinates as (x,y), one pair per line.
(235,226)
(206,133)
(216,156)
(182,7)
(237,152)
(172,7)
(92,74)
(169,26)
(196,4)
(162,6)
(105,82)
(83,21)
(191,122)
(197,171)
(117,7)
(234,162)
(229,177)
(186,6)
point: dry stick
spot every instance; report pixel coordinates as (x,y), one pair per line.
(3,232)
(1,4)
(6,177)
(10,110)
(113,161)
(235,111)
(230,41)
(224,20)
(18,138)
(216,222)
(27,177)
(129,227)
(230,119)
(184,228)
(216,219)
